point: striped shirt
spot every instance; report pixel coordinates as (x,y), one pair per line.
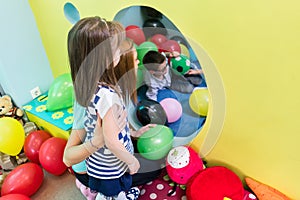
(103,164)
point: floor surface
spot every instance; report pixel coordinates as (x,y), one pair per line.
(58,188)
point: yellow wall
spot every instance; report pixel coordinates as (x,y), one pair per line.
(255,47)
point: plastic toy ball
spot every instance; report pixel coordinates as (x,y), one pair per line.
(14,197)
(144,48)
(179,40)
(61,93)
(184,50)
(136,34)
(150,112)
(172,108)
(169,46)
(51,155)
(12,136)
(158,39)
(181,64)
(155,143)
(154,26)
(25,179)
(199,101)
(32,144)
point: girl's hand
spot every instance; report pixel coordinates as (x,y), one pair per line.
(142,130)
(134,166)
(194,71)
(98,140)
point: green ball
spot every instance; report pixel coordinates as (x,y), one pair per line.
(155,143)
(139,77)
(181,64)
(144,48)
(61,93)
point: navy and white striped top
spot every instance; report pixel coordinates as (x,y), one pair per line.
(103,164)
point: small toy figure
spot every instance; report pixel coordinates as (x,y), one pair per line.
(8,110)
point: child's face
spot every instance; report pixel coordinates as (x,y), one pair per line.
(136,60)
(161,69)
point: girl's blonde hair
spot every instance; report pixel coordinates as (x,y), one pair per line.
(92,42)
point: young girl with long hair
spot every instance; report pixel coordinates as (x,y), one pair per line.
(93,54)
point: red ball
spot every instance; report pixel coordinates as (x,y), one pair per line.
(136,34)
(158,39)
(25,179)
(169,46)
(51,155)
(15,197)
(33,143)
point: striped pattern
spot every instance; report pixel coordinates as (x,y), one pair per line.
(103,164)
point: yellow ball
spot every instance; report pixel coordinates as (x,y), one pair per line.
(12,136)
(184,50)
(199,101)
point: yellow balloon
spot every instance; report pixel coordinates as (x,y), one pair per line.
(199,101)
(184,50)
(12,136)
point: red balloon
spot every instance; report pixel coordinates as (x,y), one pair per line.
(136,34)
(15,197)
(51,155)
(32,144)
(25,179)
(158,39)
(170,46)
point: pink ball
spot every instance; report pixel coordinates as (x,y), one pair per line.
(172,108)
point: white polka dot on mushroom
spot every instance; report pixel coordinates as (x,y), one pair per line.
(149,183)
(153,196)
(173,193)
(143,191)
(160,186)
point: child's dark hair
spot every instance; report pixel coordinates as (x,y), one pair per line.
(152,59)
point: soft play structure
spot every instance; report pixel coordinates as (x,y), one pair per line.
(248,52)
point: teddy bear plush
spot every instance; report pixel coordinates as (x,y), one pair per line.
(8,110)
